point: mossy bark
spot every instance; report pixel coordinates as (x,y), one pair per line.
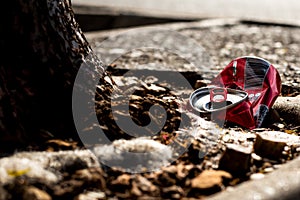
(43,48)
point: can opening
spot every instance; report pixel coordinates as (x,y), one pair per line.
(216,105)
(218,99)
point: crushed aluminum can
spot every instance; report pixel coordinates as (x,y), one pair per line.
(246,89)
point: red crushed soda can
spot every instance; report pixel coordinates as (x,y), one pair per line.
(249,75)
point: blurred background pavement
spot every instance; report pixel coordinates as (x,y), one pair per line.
(273,11)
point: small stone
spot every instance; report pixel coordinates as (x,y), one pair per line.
(172,169)
(227,138)
(256,157)
(279,125)
(91,176)
(155,88)
(136,97)
(268,169)
(288,107)
(278,45)
(257,176)
(270,144)
(123,179)
(201,83)
(135,190)
(146,185)
(210,179)
(173,192)
(91,195)
(236,159)
(34,193)
(57,144)
(257,161)
(265,48)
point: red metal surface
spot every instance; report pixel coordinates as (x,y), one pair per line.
(260,80)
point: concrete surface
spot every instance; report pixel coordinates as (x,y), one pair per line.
(282,184)
(264,10)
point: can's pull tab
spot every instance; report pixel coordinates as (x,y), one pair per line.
(218,95)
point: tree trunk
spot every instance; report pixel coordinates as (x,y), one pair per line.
(43,48)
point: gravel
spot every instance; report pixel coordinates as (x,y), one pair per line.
(277,44)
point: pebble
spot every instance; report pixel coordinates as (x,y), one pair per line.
(280,125)
(227,138)
(34,193)
(91,195)
(270,144)
(210,179)
(123,179)
(135,190)
(200,83)
(236,159)
(146,185)
(257,176)
(268,169)
(256,157)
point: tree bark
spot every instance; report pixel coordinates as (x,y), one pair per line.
(43,48)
